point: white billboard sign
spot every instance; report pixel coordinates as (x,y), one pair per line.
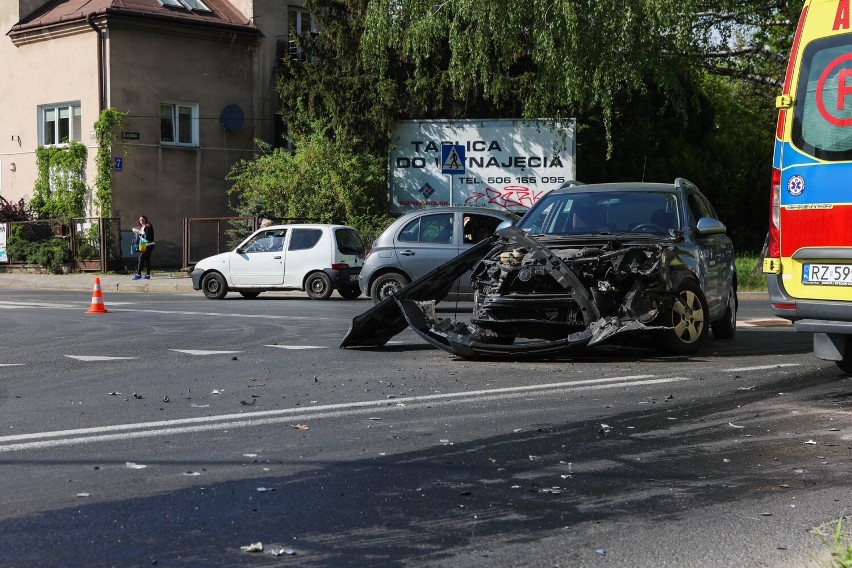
(507,164)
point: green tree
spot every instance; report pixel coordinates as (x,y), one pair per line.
(324,180)
(575,56)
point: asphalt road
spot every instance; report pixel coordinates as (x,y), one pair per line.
(174,430)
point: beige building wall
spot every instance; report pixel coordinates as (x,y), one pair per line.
(149,66)
(48,69)
(147,63)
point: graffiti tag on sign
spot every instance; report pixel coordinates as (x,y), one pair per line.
(510,197)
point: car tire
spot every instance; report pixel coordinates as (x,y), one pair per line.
(687,318)
(387,285)
(249,295)
(214,286)
(726,327)
(318,286)
(350,293)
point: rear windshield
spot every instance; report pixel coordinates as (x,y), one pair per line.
(348,242)
(822,116)
(577,213)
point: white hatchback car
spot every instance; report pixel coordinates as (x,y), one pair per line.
(311,257)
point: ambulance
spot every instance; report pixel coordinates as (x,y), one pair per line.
(808,264)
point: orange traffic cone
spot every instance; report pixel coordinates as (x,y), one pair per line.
(97,306)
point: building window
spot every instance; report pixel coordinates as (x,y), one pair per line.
(300,22)
(59,124)
(179,124)
(197,5)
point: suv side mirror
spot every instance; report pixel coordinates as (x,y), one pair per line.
(710,226)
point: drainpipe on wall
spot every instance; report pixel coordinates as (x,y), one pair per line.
(90,19)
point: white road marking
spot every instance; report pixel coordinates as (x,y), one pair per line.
(110,307)
(17,305)
(98,358)
(760,367)
(221,315)
(41,440)
(11,364)
(298,347)
(204,352)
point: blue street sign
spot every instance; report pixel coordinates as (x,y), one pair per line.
(452,159)
(119,164)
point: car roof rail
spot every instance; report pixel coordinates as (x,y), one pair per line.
(680,182)
(571,183)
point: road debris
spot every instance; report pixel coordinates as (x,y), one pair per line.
(134,465)
(254,547)
(299,426)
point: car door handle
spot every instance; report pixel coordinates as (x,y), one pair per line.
(277,257)
(407,252)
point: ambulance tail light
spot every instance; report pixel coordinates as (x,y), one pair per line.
(774,248)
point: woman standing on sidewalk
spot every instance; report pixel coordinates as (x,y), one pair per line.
(145,241)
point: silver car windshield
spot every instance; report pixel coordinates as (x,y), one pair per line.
(583,213)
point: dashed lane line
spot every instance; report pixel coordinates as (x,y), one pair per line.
(98,358)
(203,352)
(41,440)
(760,367)
(111,307)
(297,347)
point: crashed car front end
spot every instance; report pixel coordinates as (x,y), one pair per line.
(542,299)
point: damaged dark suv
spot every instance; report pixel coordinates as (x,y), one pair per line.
(585,264)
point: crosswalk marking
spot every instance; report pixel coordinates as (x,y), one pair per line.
(298,347)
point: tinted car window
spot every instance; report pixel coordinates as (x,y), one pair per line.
(411,232)
(820,119)
(578,212)
(304,239)
(699,207)
(348,242)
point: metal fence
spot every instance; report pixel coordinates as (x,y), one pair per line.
(206,236)
(93,243)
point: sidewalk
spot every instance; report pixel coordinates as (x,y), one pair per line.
(159,282)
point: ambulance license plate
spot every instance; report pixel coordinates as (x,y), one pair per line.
(827,274)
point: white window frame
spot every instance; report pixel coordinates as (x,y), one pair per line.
(196,5)
(74,130)
(301,14)
(176,129)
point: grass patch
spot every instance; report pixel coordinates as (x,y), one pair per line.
(747,280)
(839,546)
